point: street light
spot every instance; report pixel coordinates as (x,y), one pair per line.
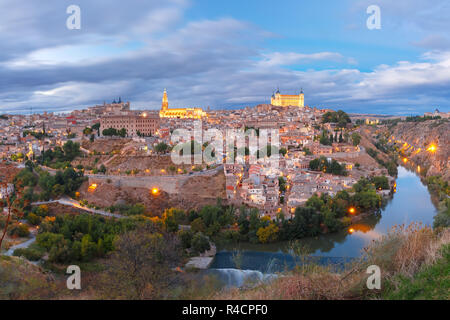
(432,148)
(155,191)
(351,210)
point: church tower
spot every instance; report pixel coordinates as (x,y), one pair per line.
(165,101)
(302,99)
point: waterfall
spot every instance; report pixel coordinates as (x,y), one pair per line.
(238,278)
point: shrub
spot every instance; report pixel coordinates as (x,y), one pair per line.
(33,219)
(19,230)
(200,243)
(186,238)
(29,253)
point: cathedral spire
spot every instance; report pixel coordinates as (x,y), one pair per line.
(165,101)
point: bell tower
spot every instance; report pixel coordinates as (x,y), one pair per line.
(165,101)
(301,98)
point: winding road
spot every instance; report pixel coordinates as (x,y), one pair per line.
(73,203)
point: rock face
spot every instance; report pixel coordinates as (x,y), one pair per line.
(422,135)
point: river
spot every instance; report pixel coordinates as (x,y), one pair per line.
(411,203)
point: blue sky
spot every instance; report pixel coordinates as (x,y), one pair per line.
(225,54)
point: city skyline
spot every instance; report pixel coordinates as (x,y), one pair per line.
(208,54)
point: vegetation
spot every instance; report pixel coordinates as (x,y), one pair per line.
(109,132)
(339,117)
(162,147)
(70,238)
(60,158)
(63,182)
(431,283)
(322,164)
(414,261)
(127,209)
(441,190)
(356,138)
(140,267)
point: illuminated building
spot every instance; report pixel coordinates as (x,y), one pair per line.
(181,113)
(145,123)
(285,100)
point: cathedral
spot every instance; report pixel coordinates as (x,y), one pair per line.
(285,100)
(181,113)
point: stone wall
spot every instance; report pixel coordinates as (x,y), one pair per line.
(169,184)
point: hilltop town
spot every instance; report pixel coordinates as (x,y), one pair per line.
(123,148)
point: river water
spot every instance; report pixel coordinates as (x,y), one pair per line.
(411,203)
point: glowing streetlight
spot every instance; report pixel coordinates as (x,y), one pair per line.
(92,187)
(432,148)
(352,210)
(405,160)
(351,230)
(155,191)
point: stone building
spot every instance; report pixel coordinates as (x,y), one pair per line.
(286,100)
(145,123)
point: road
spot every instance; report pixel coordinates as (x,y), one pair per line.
(73,203)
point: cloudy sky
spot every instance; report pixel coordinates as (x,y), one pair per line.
(225,54)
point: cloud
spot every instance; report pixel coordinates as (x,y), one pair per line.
(290,58)
(434,42)
(137,49)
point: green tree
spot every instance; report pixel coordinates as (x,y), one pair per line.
(200,243)
(268,234)
(356,138)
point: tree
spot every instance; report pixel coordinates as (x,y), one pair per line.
(281,184)
(356,138)
(140,268)
(13,199)
(87,131)
(172,218)
(339,117)
(122,132)
(96,126)
(268,234)
(381,182)
(198,225)
(110,132)
(161,147)
(322,164)
(102,169)
(306,223)
(185,238)
(200,243)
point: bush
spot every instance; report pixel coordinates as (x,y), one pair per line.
(33,219)
(19,230)
(200,243)
(29,253)
(186,238)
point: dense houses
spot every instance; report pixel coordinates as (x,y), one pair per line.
(256,184)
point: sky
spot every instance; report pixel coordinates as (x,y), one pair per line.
(225,54)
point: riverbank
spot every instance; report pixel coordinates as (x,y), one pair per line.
(411,203)
(414,263)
